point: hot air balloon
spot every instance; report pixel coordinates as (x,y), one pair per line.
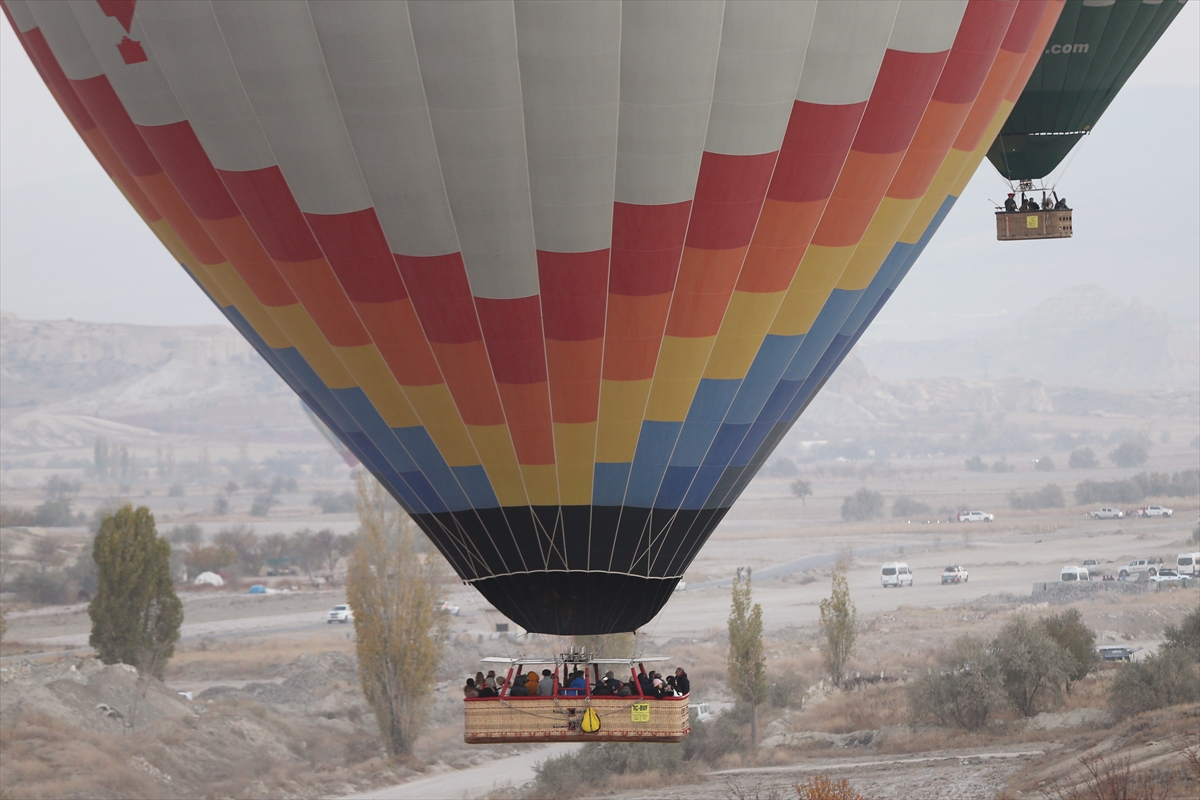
(560,274)
(1095,47)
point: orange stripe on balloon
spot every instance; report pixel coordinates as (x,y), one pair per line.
(634,328)
(706,279)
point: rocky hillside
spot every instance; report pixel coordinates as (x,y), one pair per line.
(62,383)
(1084,336)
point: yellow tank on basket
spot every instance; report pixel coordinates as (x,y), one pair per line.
(574,718)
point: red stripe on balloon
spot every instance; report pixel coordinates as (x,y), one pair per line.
(814,148)
(183,159)
(983,28)
(512,330)
(441,294)
(729,196)
(267,203)
(111,117)
(574,289)
(1025,25)
(358,251)
(902,90)
(646,244)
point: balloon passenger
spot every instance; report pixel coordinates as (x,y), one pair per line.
(1061,205)
(1010,205)
(546,684)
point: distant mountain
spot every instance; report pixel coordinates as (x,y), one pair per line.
(1084,336)
(63,383)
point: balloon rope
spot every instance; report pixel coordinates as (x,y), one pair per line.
(1074,152)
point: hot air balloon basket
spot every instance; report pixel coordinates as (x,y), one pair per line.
(1013,226)
(544,719)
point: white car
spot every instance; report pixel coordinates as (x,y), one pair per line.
(1073,573)
(1188,564)
(954,574)
(340,613)
(975,516)
(448,607)
(1108,513)
(1155,511)
(1165,575)
(1138,565)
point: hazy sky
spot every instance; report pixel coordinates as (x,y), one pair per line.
(71,247)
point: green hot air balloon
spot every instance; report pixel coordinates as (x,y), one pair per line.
(1095,47)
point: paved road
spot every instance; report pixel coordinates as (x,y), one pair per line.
(796,565)
(474,782)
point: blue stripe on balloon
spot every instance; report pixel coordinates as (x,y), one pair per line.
(608,483)
(654,447)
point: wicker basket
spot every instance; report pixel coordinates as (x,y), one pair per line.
(559,719)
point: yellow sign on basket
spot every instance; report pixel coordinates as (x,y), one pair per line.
(1031,222)
(640,712)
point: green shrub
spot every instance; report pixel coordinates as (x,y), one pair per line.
(586,770)
(1044,464)
(1129,454)
(905,506)
(1003,466)
(1082,458)
(975,464)
(1167,678)
(1185,637)
(1049,496)
(863,504)
(1145,484)
(964,693)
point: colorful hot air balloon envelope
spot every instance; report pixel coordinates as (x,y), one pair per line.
(560,274)
(1095,47)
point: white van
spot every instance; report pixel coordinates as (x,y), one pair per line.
(1188,564)
(1070,573)
(896,573)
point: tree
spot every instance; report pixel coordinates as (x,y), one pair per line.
(975,464)
(392,590)
(863,504)
(1186,635)
(1077,640)
(1082,458)
(1164,679)
(1044,464)
(135,614)
(802,489)
(329,548)
(837,622)
(821,787)
(747,660)
(1129,454)
(1049,496)
(966,693)
(45,553)
(243,541)
(1032,665)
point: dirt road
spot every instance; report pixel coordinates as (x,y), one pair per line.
(474,782)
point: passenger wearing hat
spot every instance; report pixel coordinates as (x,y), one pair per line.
(1010,205)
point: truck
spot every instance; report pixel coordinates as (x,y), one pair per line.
(1138,566)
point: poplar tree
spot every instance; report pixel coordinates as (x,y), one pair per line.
(747,658)
(392,590)
(136,614)
(838,616)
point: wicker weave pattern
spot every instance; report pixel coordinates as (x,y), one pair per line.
(538,719)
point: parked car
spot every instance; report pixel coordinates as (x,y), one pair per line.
(1166,575)
(448,607)
(1108,513)
(1116,652)
(1188,564)
(1155,511)
(703,712)
(1074,573)
(954,574)
(896,573)
(1139,565)
(340,613)
(975,516)
(1093,567)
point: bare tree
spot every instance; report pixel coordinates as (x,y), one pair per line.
(392,590)
(802,489)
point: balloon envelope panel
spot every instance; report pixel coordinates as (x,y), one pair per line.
(1095,47)
(561,275)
